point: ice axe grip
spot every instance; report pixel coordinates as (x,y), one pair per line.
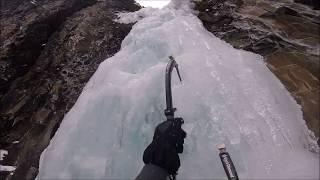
(227,163)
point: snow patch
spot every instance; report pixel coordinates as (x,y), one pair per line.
(132,17)
(3,153)
(7,168)
(153,3)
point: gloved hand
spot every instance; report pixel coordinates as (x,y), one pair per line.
(167,142)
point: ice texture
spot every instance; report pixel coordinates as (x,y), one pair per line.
(227,96)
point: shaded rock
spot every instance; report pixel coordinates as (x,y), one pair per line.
(282,11)
(46,59)
(313,3)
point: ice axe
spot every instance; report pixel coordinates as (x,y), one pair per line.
(177,122)
(175,131)
(169,111)
(227,163)
(225,157)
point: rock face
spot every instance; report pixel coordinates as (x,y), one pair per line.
(315,4)
(49,50)
(287,34)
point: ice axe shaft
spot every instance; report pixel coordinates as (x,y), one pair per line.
(175,123)
(169,111)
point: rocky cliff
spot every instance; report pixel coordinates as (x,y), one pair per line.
(49,50)
(284,32)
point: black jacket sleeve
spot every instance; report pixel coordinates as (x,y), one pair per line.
(152,172)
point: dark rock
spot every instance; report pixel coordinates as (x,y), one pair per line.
(286,11)
(49,50)
(25,28)
(313,3)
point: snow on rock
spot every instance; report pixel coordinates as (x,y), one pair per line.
(7,168)
(227,96)
(153,3)
(3,153)
(132,17)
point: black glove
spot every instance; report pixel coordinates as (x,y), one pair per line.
(167,142)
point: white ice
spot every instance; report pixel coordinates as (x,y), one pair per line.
(227,96)
(153,3)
